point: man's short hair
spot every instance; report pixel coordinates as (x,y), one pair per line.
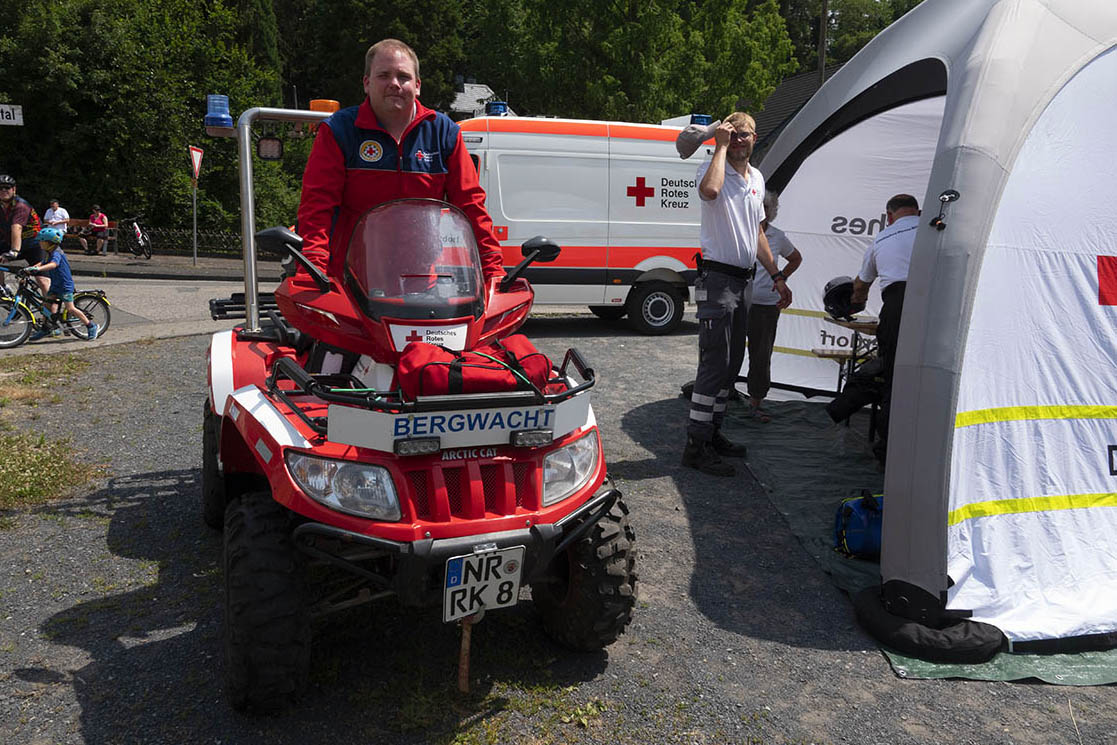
(96,208)
(737,118)
(901,201)
(391,44)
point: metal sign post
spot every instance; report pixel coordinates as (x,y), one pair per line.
(196,161)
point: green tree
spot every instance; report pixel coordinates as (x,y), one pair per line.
(109,120)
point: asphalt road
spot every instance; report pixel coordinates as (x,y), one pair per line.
(110,600)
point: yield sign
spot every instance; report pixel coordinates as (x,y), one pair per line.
(196,159)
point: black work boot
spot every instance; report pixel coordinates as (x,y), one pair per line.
(701,455)
(724,446)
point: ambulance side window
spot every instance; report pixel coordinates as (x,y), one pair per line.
(553,187)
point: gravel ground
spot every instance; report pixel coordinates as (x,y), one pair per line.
(110,604)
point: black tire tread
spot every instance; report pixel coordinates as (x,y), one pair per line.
(594,606)
(267,632)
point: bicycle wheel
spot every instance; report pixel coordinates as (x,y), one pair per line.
(145,244)
(96,309)
(15,324)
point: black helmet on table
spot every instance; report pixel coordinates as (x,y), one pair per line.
(837,298)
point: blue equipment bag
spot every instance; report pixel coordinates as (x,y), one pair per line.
(857,525)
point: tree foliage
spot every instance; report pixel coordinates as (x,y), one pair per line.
(113,91)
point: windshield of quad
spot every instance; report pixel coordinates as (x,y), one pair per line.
(415,258)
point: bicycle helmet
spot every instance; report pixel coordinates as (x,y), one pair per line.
(6,180)
(836,298)
(50,235)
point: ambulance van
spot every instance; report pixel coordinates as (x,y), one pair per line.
(616,197)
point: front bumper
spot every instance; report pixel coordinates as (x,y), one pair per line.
(419,565)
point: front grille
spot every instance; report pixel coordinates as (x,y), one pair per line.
(449,490)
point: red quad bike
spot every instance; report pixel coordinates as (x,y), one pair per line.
(315,462)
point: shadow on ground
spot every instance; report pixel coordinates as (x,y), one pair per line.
(156,651)
(751,576)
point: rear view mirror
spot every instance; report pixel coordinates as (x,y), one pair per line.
(547,249)
(282,242)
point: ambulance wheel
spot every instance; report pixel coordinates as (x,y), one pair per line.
(654,307)
(267,631)
(213,485)
(608,312)
(591,602)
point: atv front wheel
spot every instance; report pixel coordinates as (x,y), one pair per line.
(591,603)
(267,631)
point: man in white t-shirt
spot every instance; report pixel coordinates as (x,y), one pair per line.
(55,217)
(764,313)
(888,258)
(732,194)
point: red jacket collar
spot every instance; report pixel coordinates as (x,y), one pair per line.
(366,119)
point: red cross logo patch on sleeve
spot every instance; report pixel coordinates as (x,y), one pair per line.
(1107,280)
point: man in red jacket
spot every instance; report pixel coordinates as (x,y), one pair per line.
(389,147)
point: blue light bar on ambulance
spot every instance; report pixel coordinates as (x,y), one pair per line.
(496,108)
(218,122)
(701,119)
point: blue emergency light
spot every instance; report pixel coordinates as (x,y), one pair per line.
(496,108)
(703,120)
(218,122)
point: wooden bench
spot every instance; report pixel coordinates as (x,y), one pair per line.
(110,233)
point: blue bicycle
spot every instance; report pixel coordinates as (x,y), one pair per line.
(23,310)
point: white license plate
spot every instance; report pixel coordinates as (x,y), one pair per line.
(488,580)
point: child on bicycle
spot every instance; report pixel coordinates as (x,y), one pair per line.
(61,281)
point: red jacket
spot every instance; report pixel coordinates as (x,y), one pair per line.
(355,165)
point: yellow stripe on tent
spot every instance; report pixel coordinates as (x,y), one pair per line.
(1030,504)
(1022,413)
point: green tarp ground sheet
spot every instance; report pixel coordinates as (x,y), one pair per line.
(807,464)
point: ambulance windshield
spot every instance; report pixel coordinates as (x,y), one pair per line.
(415,258)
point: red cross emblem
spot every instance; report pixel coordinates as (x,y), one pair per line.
(640,191)
(414,336)
(1107,280)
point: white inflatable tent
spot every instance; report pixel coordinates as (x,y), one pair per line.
(1001,486)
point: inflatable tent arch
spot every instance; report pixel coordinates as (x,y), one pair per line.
(1001,485)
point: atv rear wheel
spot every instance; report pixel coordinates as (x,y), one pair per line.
(213,484)
(267,631)
(591,604)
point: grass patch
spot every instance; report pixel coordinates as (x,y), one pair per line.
(36,470)
(24,379)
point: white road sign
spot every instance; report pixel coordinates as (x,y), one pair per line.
(11,114)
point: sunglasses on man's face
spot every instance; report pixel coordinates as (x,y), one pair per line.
(742,136)
(3,188)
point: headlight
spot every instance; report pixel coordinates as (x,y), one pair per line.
(356,488)
(569,468)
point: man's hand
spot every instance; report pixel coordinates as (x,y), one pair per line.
(785,293)
(723,134)
(32,270)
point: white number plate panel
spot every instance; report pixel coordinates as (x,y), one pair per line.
(489,580)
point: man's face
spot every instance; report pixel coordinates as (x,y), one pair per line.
(54,205)
(392,85)
(740,144)
(7,193)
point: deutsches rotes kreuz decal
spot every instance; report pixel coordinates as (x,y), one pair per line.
(371,151)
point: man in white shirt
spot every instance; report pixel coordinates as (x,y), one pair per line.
(55,217)
(888,258)
(732,194)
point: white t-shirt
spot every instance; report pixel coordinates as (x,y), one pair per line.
(890,254)
(731,222)
(763,291)
(56,217)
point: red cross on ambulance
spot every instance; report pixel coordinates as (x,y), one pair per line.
(640,191)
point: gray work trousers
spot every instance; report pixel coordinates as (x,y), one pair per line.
(722,325)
